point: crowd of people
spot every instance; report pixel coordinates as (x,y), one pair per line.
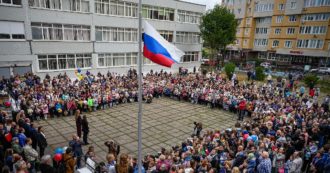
(287,131)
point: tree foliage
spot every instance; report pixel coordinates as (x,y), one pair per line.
(218,28)
(230,69)
(311,80)
(260,75)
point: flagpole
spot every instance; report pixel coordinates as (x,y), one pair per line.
(140,90)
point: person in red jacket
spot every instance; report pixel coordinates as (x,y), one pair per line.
(242,109)
(312,92)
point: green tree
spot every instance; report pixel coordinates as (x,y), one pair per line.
(260,75)
(311,80)
(230,69)
(218,29)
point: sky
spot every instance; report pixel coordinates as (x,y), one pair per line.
(209,3)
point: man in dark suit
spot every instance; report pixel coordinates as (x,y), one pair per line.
(42,142)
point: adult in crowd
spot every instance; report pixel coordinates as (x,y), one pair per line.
(42,141)
(46,164)
(78,123)
(85,129)
(76,146)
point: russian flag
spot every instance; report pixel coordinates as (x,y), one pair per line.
(157,49)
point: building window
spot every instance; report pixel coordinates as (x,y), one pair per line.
(168,35)
(46,31)
(316,17)
(281,7)
(261,30)
(64,61)
(316,3)
(246,32)
(313,29)
(313,44)
(190,57)
(277,31)
(10,2)
(12,30)
(292,18)
(117,59)
(288,44)
(245,42)
(111,34)
(293,5)
(279,19)
(116,8)
(264,7)
(276,43)
(239,11)
(263,20)
(188,17)
(158,13)
(290,31)
(65,5)
(187,37)
(260,42)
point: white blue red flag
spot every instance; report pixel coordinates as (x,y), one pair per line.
(157,49)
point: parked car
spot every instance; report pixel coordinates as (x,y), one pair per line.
(265,64)
(321,70)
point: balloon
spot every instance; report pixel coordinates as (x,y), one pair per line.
(64,149)
(79,70)
(59,110)
(9,137)
(58,157)
(59,150)
(249,138)
(245,136)
(254,138)
(7,104)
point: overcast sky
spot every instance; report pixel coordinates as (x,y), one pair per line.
(209,3)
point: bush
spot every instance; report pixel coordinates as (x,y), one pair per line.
(260,75)
(311,80)
(230,69)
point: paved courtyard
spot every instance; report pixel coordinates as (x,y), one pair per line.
(166,122)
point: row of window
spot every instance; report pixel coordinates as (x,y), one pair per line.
(316,3)
(188,37)
(316,17)
(190,57)
(263,20)
(287,43)
(313,30)
(116,34)
(188,16)
(64,61)
(260,42)
(118,8)
(261,30)
(45,31)
(313,43)
(10,2)
(118,59)
(11,30)
(65,5)
(264,7)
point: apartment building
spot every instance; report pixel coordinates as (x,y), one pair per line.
(57,36)
(287,32)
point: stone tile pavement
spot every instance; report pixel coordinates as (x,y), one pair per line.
(165,123)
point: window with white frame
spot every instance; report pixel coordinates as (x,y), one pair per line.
(293,5)
(264,7)
(158,13)
(292,18)
(281,7)
(168,35)
(189,17)
(277,31)
(313,29)
(64,61)
(187,37)
(290,31)
(316,17)
(65,5)
(288,44)
(117,59)
(47,31)
(275,43)
(11,2)
(310,43)
(279,19)
(316,3)
(114,34)
(260,42)
(238,30)
(263,20)
(190,57)
(116,8)
(247,30)
(12,30)
(261,30)
(245,42)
